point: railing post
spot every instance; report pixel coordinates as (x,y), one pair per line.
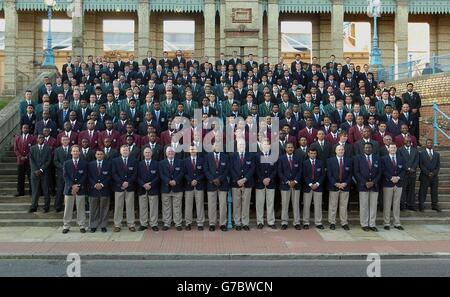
(410,66)
(433,64)
(435,123)
(392,76)
(230,210)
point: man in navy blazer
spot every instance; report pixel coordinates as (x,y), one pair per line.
(367,172)
(266,173)
(124,173)
(290,173)
(339,179)
(99,188)
(171,172)
(148,190)
(242,169)
(313,176)
(216,172)
(75,180)
(393,168)
(194,174)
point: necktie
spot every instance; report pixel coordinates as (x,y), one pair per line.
(217,160)
(290,162)
(341,169)
(171,165)
(75,165)
(125,163)
(430,154)
(242,159)
(409,150)
(313,170)
(394,163)
(99,168)
(65,151)
(148,165)
(369,163)
(193,163)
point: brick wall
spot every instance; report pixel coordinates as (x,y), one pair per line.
(433,88)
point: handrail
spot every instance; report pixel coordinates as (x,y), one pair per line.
(436,127)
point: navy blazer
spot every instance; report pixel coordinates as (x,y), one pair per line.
(265,170)
(197,173)
(102,177)
(151,175)
(121,174)
(244,170)
(289,174)
(333,173)
(211,172)
(319,175)
(388,170)
(166,174)
(363,174)
(75,177)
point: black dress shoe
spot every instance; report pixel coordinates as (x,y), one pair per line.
(387,228)
(273,226)
(238,228)
(212,228)
(399,228)
(246,228)
(59,209)
(132,229)
(374,229)
(200,228)
(116,229)
(298,227)
(421,208)
(306,227)
(165,228)
(32,210)
(82,230)
(46,210)
(436,208)
(179,228)
(223,228)
(260,226)
(333,227)
(104,230)
(93,230)
(65,231)
(188,227)
(346,227)
(320,227)
(367,229)
(19,194)
(142,228)
(284,227)
(155,228)
(412,208)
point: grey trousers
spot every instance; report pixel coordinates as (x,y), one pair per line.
(172,201)
(341,198)
(212,207)
(146,202)
(286,197)
(98,212)
(265,196)
(368,208)
(69,201)
(241,205)
(121,198)
(317,198)
(391,198)
(189,197)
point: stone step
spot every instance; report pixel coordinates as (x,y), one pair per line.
(9,184)
(6,159)
(8,171)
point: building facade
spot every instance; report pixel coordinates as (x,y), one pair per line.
(251,26)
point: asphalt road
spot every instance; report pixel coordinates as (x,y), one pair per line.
(432,267)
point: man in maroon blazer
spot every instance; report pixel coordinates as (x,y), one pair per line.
(22,145)
(130,131)
(73,136)
(400,139)
(355,132)
(110,133)
(379,135)
(89,134)
(308,132)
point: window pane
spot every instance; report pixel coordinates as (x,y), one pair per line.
(179,35)
(296,37)
(357,37)
(419,41)
(118,35)
(61,34)
(2,34)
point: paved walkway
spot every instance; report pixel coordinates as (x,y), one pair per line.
(416,239)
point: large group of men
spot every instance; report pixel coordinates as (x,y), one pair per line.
(107,132)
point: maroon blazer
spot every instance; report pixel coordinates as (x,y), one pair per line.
(73,138)
(115,139)
(378,138)
(309,137)
(399,140)
(22,147)
(93,142)
(354,135)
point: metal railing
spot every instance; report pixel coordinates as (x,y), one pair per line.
(415,68)
(436,127)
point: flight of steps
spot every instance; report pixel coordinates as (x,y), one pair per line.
(14,210)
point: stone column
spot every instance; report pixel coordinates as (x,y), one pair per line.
(401,31)
(78,28)
(222,29)
(273,36)
(209,14)
(11,31)
(337,29)
(143,29)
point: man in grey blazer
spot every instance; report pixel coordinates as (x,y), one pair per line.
(40,159)
(359,145)
(411,157)
(62,154)
(430,164)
